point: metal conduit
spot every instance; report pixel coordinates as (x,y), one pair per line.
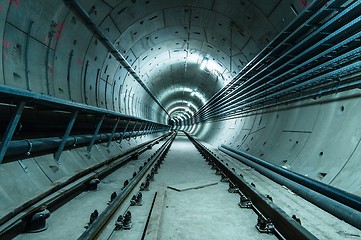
(28,146)
(292,31)
(331,89)
(344,212)
(339,195)
(248,96)
(295,63)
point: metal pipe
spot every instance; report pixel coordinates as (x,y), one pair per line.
(339,195)
(344,212)
(28,146)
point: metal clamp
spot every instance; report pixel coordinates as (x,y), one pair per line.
(75,141)
(30,147)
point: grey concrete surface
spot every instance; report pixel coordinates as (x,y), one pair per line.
(319,222)
(47,48)
(206,213)
(69,221)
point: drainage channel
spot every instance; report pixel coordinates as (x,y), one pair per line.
(37,214)
(271,218)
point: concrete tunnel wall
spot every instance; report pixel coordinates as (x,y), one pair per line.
(40,41)
(318,138)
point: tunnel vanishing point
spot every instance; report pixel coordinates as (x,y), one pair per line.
(83,80)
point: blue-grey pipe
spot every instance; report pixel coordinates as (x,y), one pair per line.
(332,206)
(20,147)
(339,195)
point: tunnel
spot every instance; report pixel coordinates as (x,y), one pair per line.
(83,81)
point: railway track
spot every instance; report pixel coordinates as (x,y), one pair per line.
(134,201)
(271,218)
(21,219)
(132,187)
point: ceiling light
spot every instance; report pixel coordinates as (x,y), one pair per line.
(204,63)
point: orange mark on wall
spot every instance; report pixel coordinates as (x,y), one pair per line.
(79,61)
(6,45)
(51,70)
(303,2)
(59,29)
(14,2)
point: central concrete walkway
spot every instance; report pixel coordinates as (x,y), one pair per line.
(204,213)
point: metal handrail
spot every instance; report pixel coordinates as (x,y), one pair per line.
(24,98)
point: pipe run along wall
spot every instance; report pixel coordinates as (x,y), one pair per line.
(25,179)
(318,138)
(339,195)
(334,207)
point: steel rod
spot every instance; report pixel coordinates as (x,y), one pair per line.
(10,130)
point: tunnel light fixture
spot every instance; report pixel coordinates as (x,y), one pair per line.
(193,57)
(204,63)
(214,66)
(184,109)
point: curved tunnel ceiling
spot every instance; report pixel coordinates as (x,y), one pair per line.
(186,51)
(163,60)
(142,58)
(170,41)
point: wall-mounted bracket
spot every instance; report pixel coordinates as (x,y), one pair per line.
(96,133)
(65,138)
(10,130)
(113,132)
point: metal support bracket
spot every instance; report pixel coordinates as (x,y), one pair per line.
(23,166)
(95,133)
(125,129)
(144,129)
(152,129)
(10,130)
(65,138)
(131,133)
(148,129)
(140,128)
(113,132)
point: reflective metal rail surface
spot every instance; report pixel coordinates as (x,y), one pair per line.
(281,224)
(18,220)
(96,228)
(344,205)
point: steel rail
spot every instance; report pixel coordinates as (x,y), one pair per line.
(103,219)
(54,196)
(316,193)
(285,226)
(339,195)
